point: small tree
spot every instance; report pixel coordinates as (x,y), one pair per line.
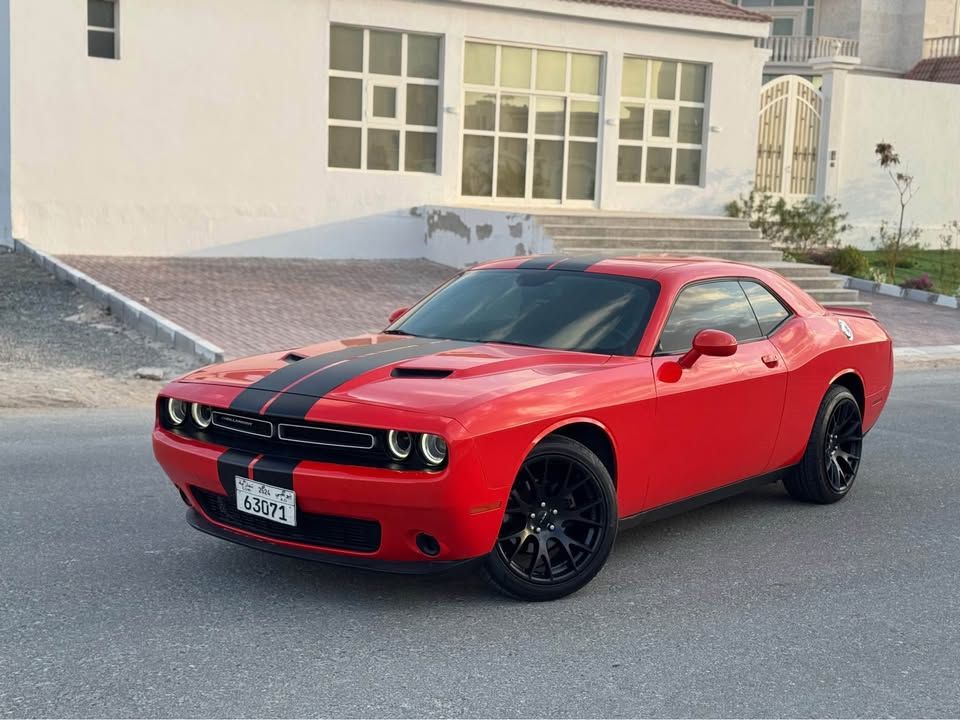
(893,244)
(951,230)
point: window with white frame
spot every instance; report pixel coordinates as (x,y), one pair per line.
(102,29)
(384,100)
(662,119)
(531,119)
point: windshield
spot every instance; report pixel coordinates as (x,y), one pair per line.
(557,309)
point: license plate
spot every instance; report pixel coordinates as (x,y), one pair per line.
(266,501)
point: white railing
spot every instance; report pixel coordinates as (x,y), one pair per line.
(941,47)
(800,49)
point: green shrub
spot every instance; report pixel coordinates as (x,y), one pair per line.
(850,261)
(799,227)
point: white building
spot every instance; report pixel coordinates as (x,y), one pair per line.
(351,128)
(318,127)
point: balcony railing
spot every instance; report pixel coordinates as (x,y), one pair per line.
(941,47)
(801,49)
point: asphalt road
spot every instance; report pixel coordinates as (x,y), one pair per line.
(757,606)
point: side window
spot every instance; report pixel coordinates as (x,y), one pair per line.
(770,311)
(716,305)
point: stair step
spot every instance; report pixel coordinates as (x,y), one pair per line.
(827,282)
(669,231)
(664,243)
(839,295)
(633,220)
(749,256)
(797,270)
(857,304)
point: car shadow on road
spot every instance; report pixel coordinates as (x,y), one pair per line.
(274,577)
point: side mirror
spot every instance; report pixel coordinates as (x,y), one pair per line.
(713,343)
(396,315)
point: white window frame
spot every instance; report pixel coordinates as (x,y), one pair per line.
(650,104)
(368,121)
(531,136)
(115,31)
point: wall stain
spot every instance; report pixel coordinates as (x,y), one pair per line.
(516,230)
(438,220)
(520,249)
(484,231)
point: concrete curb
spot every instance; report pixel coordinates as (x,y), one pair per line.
(929,356)
(947,301)
(129,312)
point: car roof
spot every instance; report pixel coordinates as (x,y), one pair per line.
(638,266)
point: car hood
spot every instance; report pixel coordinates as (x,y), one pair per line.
(417,374)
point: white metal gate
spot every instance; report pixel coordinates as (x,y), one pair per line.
(790,109)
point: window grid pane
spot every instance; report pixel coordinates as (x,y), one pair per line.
(663,106)
(540,111)
(403,113)
(102,44)
(100,14)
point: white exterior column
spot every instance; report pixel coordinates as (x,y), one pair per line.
(834,72)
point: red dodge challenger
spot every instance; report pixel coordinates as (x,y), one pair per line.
(523,413)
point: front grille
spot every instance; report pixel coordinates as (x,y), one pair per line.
(330,437)
(296,439)
(328,531)
(241,424)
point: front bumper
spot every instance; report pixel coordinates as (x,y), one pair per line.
(454,506)
(419,567)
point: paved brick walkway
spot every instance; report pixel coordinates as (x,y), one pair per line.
(913,324)
(253,305)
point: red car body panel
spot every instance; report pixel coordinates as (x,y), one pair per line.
(725,419)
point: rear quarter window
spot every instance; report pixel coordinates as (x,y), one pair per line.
(769,310)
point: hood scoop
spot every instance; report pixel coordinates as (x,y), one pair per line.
(292,357)
(434,373)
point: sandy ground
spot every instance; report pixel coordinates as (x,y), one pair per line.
(59,349)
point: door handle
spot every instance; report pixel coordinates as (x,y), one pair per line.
(771,361)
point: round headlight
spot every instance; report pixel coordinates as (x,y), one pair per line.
(176,411)
(433,448)
(399,444)
(202,415)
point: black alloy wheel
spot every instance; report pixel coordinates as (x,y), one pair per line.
(843,445)
(559,523)
(831,461)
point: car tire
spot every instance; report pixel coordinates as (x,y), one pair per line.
(559,524)
(831,461)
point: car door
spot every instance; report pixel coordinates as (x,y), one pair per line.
(718,423)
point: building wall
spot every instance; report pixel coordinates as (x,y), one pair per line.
(924,138)
(942,18)
(208,134)
(6,237)
(838,18)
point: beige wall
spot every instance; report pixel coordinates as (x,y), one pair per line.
(917,118)
(208,135)
(942,18)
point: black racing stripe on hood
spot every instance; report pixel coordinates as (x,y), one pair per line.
(540,263)
(297,401)
(259,393)
(230,464)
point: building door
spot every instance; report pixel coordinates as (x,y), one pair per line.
(790,109)
(531,124)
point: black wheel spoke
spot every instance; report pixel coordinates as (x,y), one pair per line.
(583,521)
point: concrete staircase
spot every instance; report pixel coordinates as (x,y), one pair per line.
(604,233)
